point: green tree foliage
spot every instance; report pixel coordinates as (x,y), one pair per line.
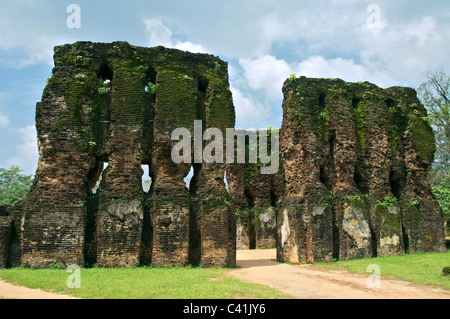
(146,184)
(14,186)
(434,94)
(442,194)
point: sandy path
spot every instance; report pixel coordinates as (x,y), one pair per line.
(14,292)
(307,281)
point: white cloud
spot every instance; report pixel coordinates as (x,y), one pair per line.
(31,52)
(4,120)
(407,50)
(250,113)
(311,26)
(26,153)
(29,33)
(266,73)
(191,47)
(160,34)
(398,52)
(345,69)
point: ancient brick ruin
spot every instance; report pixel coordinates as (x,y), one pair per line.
(353,181)
(5,229)
(356,161)
(256,198)
(118,104)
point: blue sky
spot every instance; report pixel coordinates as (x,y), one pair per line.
(263,41)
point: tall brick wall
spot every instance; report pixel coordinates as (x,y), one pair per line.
(118,104)
(354,176)
(356,160)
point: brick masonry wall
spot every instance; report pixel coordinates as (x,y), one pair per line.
(5,230)
(57,239)
(356,159)
(118,104)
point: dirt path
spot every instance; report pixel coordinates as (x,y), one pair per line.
(308,282)
(9,291)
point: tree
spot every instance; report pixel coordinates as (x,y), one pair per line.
(14,186)
(442,194)
(434,94)
(146,184)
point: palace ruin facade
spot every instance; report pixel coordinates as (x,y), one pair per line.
(353,180)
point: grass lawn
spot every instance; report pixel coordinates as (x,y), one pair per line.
(420,268)
(142,283)
(211,283)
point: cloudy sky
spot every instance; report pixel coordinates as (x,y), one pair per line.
(385,42)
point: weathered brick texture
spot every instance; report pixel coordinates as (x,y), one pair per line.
(118,104)
(356,159)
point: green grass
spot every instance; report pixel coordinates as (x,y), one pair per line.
(142,283)
(212,283)
(419,268)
